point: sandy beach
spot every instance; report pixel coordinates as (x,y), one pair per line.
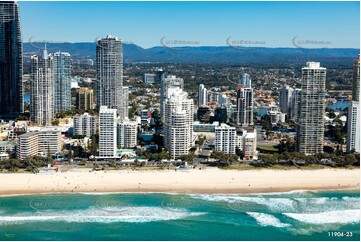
(193,181)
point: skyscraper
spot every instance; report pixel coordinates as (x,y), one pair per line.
(11,60)
(244,106)
(285,100)
(310,122)
(42,89)
(123,105)
(356,80)
(202,96)
(353,117)
(109,58)
(166,83)
(62,82)
(178,122)
(245,80)
(107,132)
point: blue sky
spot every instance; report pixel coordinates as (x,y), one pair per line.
(270,24)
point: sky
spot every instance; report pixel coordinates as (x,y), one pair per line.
(148,24)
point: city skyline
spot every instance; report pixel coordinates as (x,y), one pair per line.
(333,24)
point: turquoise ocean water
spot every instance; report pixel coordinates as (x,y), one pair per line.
(298,215)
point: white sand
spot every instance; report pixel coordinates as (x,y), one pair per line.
(193,181)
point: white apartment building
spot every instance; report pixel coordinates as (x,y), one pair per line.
(247,144)
(166,83)
(85,124)
(202,96)
(107,132)
(123,109)
(226,139)
(178,122)
(127,134)
(42,89)
(353,127)
(310,118)
(38,143)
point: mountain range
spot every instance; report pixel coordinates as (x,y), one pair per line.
(210,54)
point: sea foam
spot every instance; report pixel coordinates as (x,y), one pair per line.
(264,219)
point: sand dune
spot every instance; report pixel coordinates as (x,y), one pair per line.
(193,181)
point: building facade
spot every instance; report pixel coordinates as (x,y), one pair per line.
(38,144)
(310,122)
(42,89)
(166,83)
(226,139)
(62,82)
(123,109)
(285,100)
(244,106)
(84,99)
(11,61)
(127,134)
(107,132)
(109,58)
(178,122)
(85,125)
(202,96)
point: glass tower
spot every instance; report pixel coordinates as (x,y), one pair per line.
(11,62)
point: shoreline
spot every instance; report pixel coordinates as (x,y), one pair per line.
(209,181)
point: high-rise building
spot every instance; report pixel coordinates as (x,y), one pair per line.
(353,127)
(244,106)
(107,132)
(62,82)
(295,104)
(226,139)
(159,75)
(109,58)
(123,105)
(11,60)
(356,80)
(85,124)
(149,78)
(245,80)
(202,95)
(42,89)
(310,122)
(127,134)
(166,83)
(178,122)
(84,99)
(285,100)
(353,117)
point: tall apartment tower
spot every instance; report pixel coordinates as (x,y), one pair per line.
(245,80)
(202,96)
(295,104)
(356,80)
(11,60)
(123,108)
(42,89)
(353,117)
(285,100)
(310,121)
(84,99)
(85,124)
(62,82)
(127,134)
(178,122)
(226,139)
(107,132)
(245,102)
(166,83)
(109,58)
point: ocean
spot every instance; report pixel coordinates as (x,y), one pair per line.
(297,215)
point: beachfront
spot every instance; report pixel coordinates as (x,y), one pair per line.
(211,180)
